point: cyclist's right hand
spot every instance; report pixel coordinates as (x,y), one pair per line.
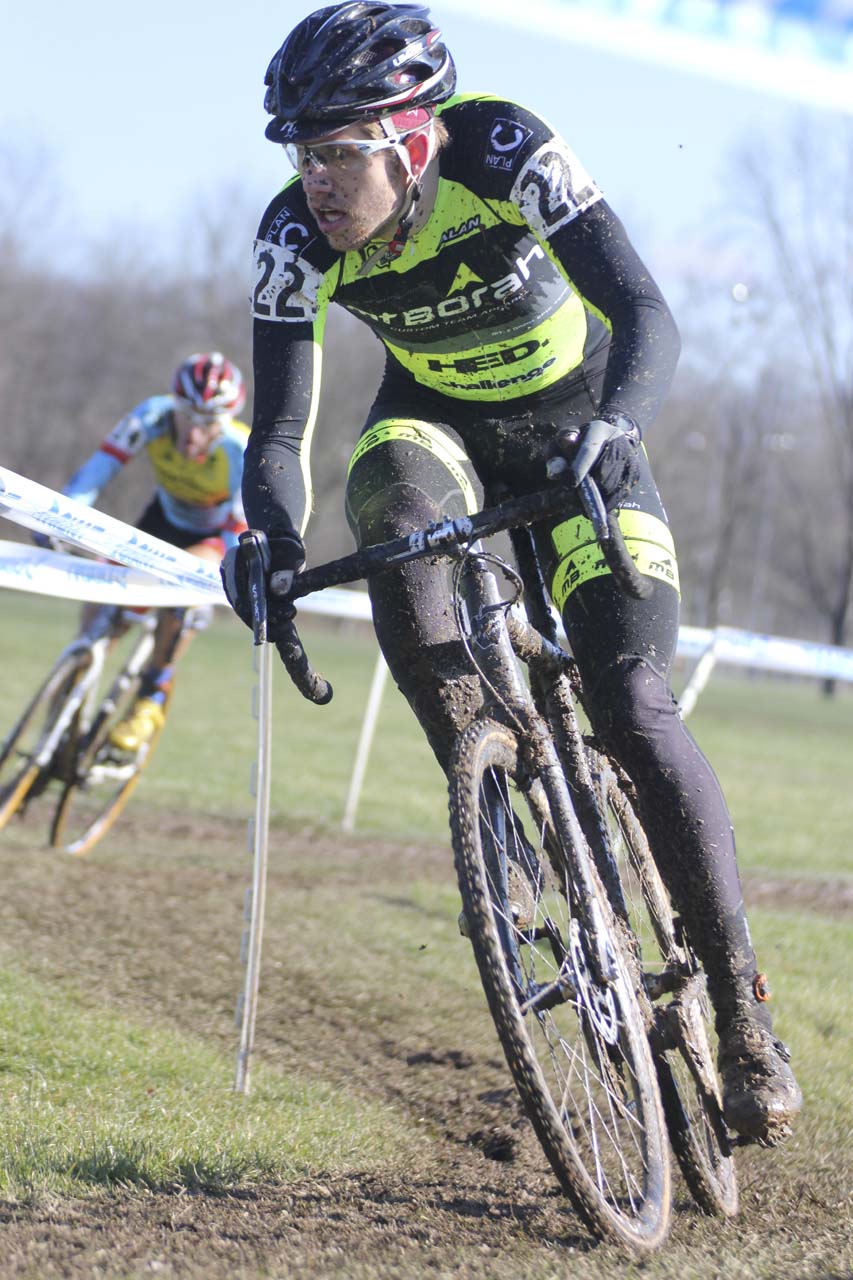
(286,558)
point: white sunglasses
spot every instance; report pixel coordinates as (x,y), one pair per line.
(339,154)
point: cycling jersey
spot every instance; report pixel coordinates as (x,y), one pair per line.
(520,278)
(199,497)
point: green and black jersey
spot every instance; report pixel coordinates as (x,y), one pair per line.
(519,277)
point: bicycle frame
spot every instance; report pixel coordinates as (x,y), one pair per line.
(460,539)
(92,647)
(71,709)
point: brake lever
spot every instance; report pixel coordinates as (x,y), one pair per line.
(255,549)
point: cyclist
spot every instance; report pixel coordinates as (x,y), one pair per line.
(519,323)
(195,445)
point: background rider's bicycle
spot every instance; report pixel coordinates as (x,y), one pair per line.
(61,742)
(597,998)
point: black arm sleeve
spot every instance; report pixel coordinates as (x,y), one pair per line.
(606,270)
(276,484)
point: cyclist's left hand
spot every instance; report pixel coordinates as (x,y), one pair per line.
(605,450)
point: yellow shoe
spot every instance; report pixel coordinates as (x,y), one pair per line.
(146,718)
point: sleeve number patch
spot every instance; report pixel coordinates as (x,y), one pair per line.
(128,436)
(285,288)
(553,188)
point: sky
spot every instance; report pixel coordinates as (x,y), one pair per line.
(147,111)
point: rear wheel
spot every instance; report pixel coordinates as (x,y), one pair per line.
(102,778)
(677,1007)
(575,1042)
(20,766)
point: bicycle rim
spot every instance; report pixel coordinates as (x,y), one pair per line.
(577,1048)
(19,769)
(103,781)
(681,1019)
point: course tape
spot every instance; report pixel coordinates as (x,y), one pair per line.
(28,568)
(68,577)
(36,507)
(149,572)
(779,653)
(801,49)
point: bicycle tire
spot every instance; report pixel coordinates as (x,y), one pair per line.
(102,778)
(681,1022)
(583,1066)
(19,768)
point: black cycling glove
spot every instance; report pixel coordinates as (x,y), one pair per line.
(286,557)
(605,450)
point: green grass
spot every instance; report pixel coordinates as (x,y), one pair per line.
(92,1098)
(809,958)
(783,752)
(784,755)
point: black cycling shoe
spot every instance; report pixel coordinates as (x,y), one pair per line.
(760,1094)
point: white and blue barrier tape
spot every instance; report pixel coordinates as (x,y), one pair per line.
(151,572)
(41,509)
(770,653)
(68,577)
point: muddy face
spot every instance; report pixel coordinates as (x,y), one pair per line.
(354,198)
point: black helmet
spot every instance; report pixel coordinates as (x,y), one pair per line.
(354,62)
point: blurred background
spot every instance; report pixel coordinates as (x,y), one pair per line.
(133,173)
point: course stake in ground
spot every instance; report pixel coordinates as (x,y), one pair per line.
(250,950)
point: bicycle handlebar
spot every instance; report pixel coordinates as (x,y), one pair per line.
(612,542)
(445,538)
(310,683)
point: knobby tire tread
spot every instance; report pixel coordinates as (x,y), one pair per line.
(95,830)
(61,679)
(711,1179)
(486,740)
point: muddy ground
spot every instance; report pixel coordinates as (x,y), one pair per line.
(151,933)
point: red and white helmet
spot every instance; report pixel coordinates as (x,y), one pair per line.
(210,384)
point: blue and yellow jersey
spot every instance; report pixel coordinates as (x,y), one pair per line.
(519,276)
(202,497)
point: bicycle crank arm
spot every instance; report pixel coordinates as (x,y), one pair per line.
(550,994)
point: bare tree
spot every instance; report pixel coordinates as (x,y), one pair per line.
(707,449)
(799,203)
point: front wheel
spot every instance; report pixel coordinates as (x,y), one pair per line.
(575,1041)
(102,777)
(23,754)
(677,1006)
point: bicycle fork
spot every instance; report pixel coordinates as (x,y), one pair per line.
(506,691)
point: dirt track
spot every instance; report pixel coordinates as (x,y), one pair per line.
(150,933)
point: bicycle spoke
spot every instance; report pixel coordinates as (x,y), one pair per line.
(681,1016)
(592,1096)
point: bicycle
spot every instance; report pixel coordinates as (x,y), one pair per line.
(63,734)
(608,1055)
